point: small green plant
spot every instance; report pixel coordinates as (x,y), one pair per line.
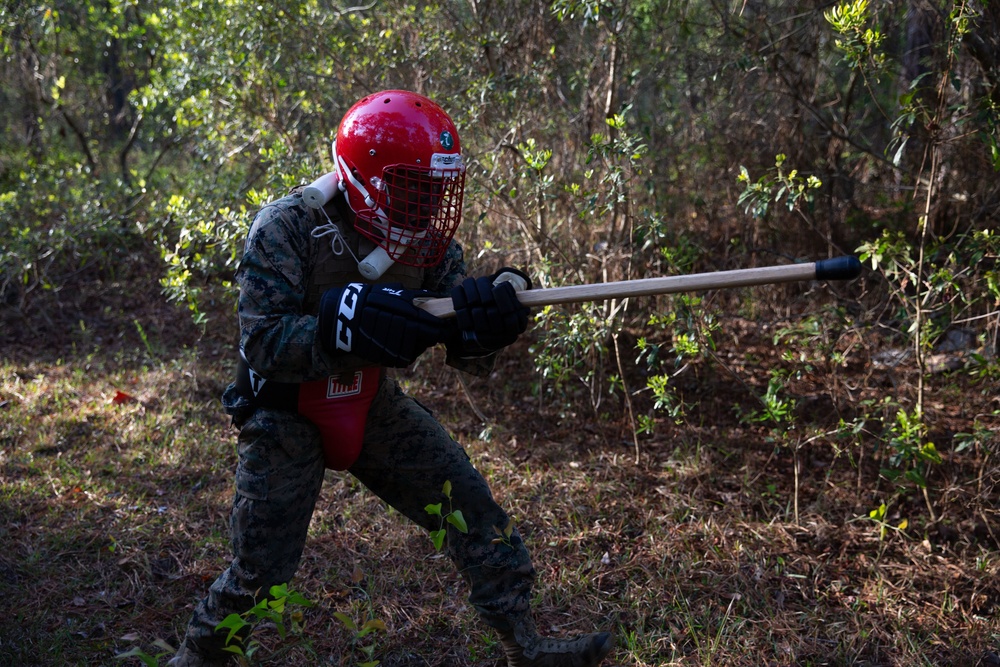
(150,350)
(536,159)
(667,399)
(777,408)
(621,153)
(932,296)
(859,41)
(148,660)
(691,328)
(645,425)
(979,437)
(453,517)
(908,449)
(503,536)
(878,516)
(778,411)
(758,195)
(572,348)
(814,342)
(272,609)
(368,628)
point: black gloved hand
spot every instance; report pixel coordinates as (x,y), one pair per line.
(487,312)
(378,323)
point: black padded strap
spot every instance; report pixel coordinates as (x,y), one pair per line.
(264,393)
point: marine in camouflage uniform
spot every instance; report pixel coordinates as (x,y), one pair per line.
(406,457)
(294,258)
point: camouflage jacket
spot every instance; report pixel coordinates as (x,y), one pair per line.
(283,273)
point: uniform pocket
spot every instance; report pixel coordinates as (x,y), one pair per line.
(277,450)
(250,485)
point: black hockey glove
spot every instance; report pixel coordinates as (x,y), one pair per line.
(378,323)
(487,312)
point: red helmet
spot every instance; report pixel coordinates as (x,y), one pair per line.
(400,163)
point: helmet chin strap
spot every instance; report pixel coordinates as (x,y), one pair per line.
(369,202)
(378,261)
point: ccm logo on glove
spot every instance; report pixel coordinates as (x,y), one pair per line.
(379,323)
(345,315)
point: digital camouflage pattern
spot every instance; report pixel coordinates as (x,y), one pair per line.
(283,273)
(406,457)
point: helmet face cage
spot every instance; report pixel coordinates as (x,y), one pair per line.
(401,166)
(416,212)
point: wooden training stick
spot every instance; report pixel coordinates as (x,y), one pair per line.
(837,268)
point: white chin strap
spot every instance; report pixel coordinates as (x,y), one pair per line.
(369,202)
(377,261)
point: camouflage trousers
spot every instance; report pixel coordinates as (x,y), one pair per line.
(406,458)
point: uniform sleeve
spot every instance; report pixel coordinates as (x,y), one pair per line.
(449,272)
(279,339)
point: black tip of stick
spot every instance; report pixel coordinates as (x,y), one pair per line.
(838,268)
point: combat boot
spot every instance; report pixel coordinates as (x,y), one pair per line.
(188,657)
(524,648)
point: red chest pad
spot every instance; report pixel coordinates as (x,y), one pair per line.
(340,411)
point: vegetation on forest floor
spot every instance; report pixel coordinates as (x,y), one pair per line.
(116,476)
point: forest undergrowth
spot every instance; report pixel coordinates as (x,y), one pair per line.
(712,538)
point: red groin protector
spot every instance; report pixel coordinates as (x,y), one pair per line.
(338,406)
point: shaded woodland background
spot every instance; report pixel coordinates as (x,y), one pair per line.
(606,141)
